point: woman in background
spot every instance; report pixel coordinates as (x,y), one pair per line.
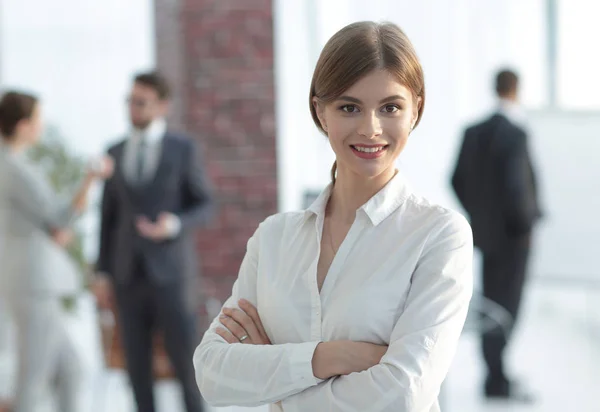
(37,275)
(358,302)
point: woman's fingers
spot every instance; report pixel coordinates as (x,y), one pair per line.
(233,327)
(246,323)
(251,310)
(225,334)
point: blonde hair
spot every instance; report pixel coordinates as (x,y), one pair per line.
(355,51)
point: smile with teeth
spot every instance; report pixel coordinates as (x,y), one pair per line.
(369,149)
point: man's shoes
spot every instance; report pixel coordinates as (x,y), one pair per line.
(508,391)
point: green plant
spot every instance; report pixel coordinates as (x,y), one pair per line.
(64,171)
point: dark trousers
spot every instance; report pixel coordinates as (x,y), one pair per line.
(143,308)
(504,274)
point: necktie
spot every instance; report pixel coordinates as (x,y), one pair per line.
(141,159)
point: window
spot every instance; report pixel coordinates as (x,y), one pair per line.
(577,60)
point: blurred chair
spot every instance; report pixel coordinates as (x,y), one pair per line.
(484,316)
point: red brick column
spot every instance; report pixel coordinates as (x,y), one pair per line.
(219,54)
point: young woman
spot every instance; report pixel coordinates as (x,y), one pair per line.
(36,274)
(357,303)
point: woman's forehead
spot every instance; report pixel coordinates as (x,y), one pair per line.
(376,86)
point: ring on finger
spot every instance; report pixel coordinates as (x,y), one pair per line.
(243,338)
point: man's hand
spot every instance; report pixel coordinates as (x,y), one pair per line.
(242,325)
(344,357)
(101,168)
(164,227)
(62,237)
(103,290)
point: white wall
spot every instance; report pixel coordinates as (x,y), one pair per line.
(565,148)
(302,153)
(577,71)
(79,57)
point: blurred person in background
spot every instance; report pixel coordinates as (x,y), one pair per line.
(151,207)
(37,274)
(495,182)
(6,349)
(358,302)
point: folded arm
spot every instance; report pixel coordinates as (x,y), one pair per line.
(250,375)
(423,341)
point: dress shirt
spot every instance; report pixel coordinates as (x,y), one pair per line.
(150,141)
(401,277)
(513,112)
(152,138)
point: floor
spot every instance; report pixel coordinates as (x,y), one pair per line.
(556,352)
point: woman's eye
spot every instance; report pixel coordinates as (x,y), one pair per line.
(390,108)
(349,108)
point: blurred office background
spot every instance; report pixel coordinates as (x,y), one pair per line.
(241,70)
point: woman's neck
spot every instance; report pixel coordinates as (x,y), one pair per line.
(351,191)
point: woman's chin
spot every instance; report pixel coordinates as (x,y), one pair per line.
(373,171)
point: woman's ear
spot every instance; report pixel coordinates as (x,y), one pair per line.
(319,107)
(416,109)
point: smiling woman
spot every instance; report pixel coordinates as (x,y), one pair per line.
(357,303)
(358,54)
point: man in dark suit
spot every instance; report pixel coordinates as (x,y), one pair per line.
(156,198)
(495,183)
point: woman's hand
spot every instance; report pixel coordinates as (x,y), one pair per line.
(242,325)
(62,237)
(334,358)
(344,357)
(359,356)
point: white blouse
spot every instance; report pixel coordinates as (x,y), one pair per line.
(401,277)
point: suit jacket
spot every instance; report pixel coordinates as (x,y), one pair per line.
(31,262)
(495,182)
(179,186)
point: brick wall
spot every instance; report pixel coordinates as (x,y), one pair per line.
(219,54)
(170,54)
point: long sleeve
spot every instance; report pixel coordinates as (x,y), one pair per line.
(250,375)
(423,341)
(520,193)
(34,196)
(198,202)
(460,173)
(108,210)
